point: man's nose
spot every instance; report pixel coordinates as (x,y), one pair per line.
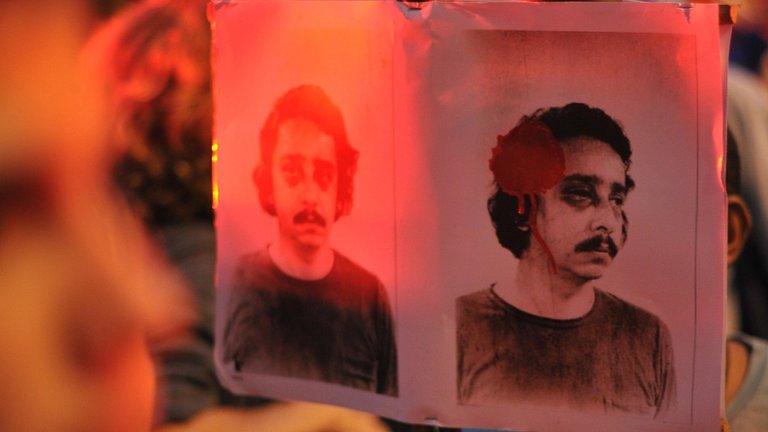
(606,218)
(310,191)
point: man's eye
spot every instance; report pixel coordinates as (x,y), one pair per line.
(578,196)
(618,199)
(324,177)
(292,174)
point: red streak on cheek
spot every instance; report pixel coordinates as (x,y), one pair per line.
(527,162)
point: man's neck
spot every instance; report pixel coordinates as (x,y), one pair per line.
(302,262)
(534,289)
(736,365)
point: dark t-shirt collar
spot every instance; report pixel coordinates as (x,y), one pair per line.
(543,321)
(288,279)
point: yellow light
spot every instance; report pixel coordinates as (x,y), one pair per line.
(215,200)
(214,177)
(720,169)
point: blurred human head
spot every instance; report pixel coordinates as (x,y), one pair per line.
(81,289)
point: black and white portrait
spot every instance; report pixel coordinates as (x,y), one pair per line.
(570,228)
(548,333)
(299,307)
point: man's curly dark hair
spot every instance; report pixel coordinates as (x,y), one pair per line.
(310,103)
(574,120)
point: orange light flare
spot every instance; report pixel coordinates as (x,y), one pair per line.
(721,169)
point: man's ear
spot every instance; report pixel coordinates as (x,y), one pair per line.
(739,226)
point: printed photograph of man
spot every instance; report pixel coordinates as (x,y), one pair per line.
(299,308)
(547,334)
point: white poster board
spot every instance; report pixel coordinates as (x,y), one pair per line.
(358,262)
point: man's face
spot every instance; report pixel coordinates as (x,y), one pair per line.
(581,219)
(304,180)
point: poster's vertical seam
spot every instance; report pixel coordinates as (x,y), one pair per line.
(218,294)
(696,230)
(393,141)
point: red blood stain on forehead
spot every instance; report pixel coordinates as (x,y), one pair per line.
(527,160)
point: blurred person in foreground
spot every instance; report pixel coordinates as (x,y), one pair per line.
(153,58)
(82,291)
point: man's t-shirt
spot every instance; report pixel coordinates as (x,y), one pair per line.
(616,357)
(748,411)
(337,329)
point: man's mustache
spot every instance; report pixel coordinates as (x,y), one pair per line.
(309,216)
(598,243)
